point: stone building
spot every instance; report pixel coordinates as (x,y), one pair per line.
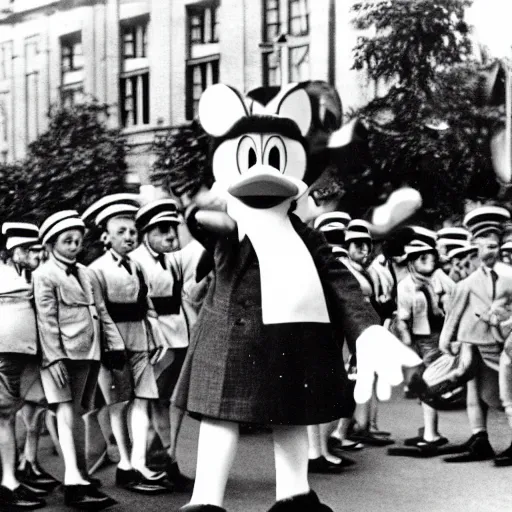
(151,59)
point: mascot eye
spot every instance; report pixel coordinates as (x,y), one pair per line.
(246,155)
(275,153)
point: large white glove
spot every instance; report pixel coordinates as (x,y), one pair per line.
(380,355)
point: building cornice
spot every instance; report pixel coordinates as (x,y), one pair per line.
(14,15)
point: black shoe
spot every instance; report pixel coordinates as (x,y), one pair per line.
(374,429)
(341,454)
(323,466)
(504,458)
(480,449)
(36,491)
(309,502)
(19,499)
(182,483)
(134,481)
(32,474)
(414,452)
(366,437)
(95,482)
(463,447)
(419,442)
(201,508)
(336,444)
(86,497)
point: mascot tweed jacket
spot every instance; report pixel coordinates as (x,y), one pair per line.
(239,369)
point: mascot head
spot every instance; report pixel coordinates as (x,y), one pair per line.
(260,153)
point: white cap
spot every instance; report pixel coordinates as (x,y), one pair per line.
(357,229)
(59,222)
(157,212)
(113,211)
(19,233)
(121,198)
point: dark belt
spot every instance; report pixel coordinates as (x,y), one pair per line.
(127,311)
(166,305)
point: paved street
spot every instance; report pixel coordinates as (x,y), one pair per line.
(378,483)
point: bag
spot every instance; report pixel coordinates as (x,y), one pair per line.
(444,378)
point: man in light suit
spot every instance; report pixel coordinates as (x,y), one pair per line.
(171,276)
(481,305)
(131,375)
(70,313)
(19,368)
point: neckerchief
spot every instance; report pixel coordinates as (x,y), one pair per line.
(424,285)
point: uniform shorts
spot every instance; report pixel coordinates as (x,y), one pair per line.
(116,385)
(167,379)
(18,372)
(143,375)
(81,388)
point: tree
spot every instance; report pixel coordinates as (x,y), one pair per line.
(74,163)
(13,193)
(430,131)
(182,158)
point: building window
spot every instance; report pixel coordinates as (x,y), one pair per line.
(135,100)
(134,40)
(271,69)
(71,54)
(199,77)
(299,64)
(134,82)
(289,18)
(298,17)
(203,21)
(271,21)
(3,125)
(203,52)
(71,96)
(32,87)
(71,70)
(5,60)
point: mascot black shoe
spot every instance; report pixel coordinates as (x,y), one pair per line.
(299,503)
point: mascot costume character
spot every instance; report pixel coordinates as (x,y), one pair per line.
(265,347)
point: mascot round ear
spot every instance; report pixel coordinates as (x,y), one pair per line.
(220,107)
(296,106)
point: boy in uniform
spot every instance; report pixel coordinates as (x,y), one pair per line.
(130,373)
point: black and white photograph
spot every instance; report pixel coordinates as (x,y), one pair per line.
(256,255)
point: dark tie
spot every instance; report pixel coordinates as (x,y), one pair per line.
(72,270)
(161,260)
(435,320)
(125,262)
(368,277)
(494,277)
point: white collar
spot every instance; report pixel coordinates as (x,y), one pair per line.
(117,257)
(64,262)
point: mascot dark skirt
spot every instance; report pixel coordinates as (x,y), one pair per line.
(238,369)
(292,375)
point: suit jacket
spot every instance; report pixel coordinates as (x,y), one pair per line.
(349,312)
(18,330)
(69,314)
(472,303)
(118,286)
(240,369)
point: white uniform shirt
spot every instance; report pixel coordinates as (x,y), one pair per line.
(18,332)
(119,286)
(177,278)
(412,306)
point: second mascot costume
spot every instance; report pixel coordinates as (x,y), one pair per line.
(265,347)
